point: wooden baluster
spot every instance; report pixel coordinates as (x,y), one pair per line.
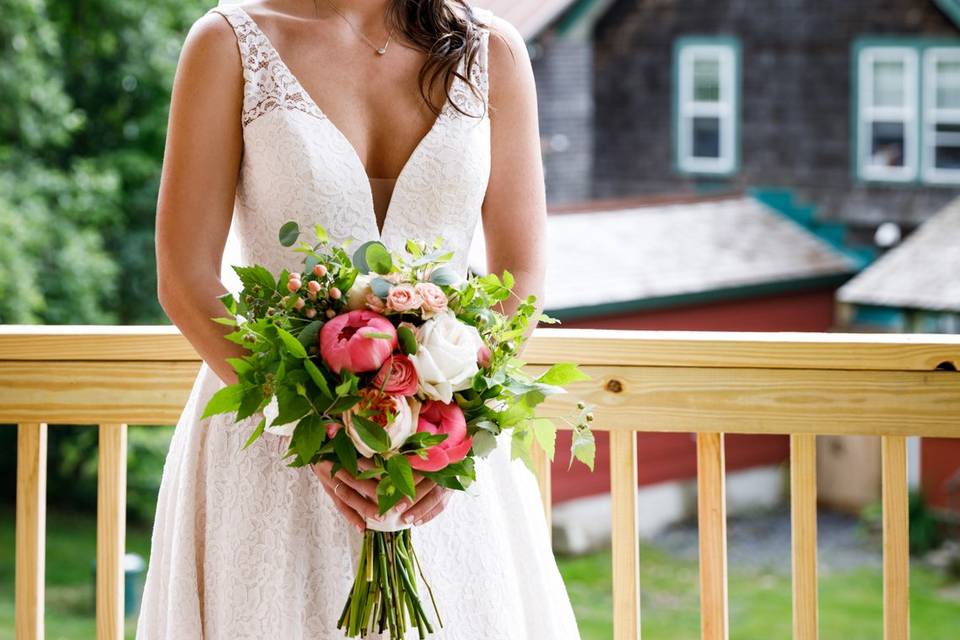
(712,522)
(803,527)
(31,524)
(896,550)
(542,464)
(624,536)
(111,525)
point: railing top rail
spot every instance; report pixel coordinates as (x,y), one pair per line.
(778,350)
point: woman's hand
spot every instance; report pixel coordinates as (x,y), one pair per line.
(357,499)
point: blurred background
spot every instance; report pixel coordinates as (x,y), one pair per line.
(733,165)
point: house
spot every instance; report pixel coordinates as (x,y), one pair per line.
(843,117)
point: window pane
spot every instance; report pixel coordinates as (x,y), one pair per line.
(947,150)
(948,84)
(886,144)
(706,80)
(706,137)
(888,83)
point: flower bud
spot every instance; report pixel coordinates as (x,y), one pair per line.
(294,284)
(313,287)
(319,270)
(311,312)
(299,303)
(331,313)
(334,293)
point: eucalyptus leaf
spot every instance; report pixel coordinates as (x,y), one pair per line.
(289,233)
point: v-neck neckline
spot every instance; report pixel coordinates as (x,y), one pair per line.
(354,155)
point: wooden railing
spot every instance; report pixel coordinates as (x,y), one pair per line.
(711,383)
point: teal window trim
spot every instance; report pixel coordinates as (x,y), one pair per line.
(727,50)
(918,113)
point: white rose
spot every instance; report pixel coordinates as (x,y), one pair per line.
(357,295)
(446,358)
(404,424)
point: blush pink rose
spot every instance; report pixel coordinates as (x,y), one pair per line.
(439,417)
(344,343)
(397,376)
(434,299)
(403,297)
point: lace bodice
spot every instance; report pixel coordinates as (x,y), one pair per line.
(297,165)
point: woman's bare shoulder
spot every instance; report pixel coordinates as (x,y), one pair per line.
(510,68)
(210,47)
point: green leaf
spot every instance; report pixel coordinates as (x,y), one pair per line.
(371,433)
(562,373)
(240,365)
(254,276)
(342,404)
(387,494)
(380,287)
(402,475)
(583,447)
(378,258)
(308,335)
(308,436)
(317,376)
(379,335)
(291,343)
(372,256)
(292,406)
(346,452)
(545,433)
(407,340)
(520,442)
(413,248)
(230,322)
(226,399)
(321,233)
(229,302)
(507,279)
(443,276)
(252,399)
(289,233)
(483,443)
(255,434)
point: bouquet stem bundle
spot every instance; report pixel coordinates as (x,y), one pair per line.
(384,591)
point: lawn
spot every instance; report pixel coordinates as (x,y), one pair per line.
(850,601)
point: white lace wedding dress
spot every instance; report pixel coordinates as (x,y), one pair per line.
(246,548)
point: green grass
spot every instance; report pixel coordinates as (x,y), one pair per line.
(760,601)
(850,602)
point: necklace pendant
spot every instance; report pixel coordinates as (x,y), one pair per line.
(381,50)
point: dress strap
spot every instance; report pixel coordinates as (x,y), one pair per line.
(268,83)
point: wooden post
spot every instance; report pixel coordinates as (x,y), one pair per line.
(896,549)
(542,464)
(111,526)
(712,522)
(624,535)
(31,525)
(803,528)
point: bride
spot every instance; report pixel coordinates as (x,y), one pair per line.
(379,120)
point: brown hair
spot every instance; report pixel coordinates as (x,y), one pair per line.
(436,27)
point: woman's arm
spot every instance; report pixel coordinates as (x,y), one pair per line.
(197,188)
(515,210)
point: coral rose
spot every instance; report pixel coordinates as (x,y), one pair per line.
(439,418)
(397,376)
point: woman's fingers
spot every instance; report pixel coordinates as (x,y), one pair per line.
(424,504)
(422,488)
(437,510)
(348,512)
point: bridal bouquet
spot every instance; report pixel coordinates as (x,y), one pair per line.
(395,360)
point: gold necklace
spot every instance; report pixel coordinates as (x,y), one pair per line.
(380,50)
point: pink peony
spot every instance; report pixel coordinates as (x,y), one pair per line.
(403,297)
(345,345)
(400,376)
(434,299)
(439,417)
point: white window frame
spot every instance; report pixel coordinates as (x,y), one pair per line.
(932,116)
(725,109)
(868,112)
